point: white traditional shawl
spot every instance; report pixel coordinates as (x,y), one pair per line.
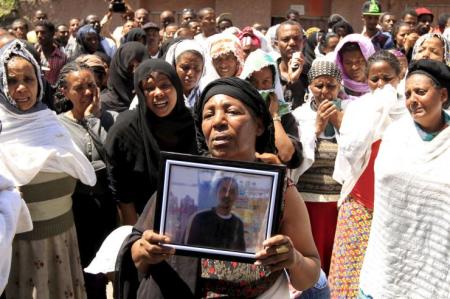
(408,254)
(363,123)
(35,142)
(14,219)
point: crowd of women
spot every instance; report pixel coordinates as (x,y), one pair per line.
(364,133)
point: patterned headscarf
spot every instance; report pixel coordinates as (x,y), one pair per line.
(321,67)
(14,49)
(428,36)
(217,45)
(224,44)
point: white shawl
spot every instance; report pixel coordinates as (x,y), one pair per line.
(408,255)
(14,219)
(363,123)
(35,142)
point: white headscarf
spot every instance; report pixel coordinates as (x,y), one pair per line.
(33,140)
(172,55)
(256,61)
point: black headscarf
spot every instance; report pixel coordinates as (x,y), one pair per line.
(138,135)
(247,94)
(437,71)
(174,132)
(308,51)
(135,35)
(119,94)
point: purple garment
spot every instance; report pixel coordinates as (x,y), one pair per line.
(367,50)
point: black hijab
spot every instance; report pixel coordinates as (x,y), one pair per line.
(135,35)
(247,94)
(119,94)
(174,132)
(308,51)
(142,134)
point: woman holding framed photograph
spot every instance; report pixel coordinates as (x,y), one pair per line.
(236,125)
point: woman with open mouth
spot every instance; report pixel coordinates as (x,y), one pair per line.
(236,125)
(38,155)
(161,121)
(409,244)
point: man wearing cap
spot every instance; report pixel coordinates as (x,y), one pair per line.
(153,39)
(224,21)
(371,11)
(424,20)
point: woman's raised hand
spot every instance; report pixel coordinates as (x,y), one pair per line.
(325,110)
(279,253)
(150,250)
(95,107)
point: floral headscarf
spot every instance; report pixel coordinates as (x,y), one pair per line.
(217,45)
(222,44)
(428,36)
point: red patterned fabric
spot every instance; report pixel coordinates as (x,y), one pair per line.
(363,192)
(323,218)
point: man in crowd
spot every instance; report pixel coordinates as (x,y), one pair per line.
(51,56)
(153,39)
(39,15)
(195,26)
(71,45)
(20,28)
(165,18)
(424,20)
(207,17)
(292,15)
(224,21)
(387,22)
(187,15)
(141,16)
(371,11)
(409,16)
(170,31)
(289,41)
(62,36)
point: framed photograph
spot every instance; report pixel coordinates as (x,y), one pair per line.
(217,208)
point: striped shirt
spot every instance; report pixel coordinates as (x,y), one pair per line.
(52,64)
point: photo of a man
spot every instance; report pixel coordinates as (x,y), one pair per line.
(218,227)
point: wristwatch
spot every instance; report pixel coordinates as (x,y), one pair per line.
(276,118)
